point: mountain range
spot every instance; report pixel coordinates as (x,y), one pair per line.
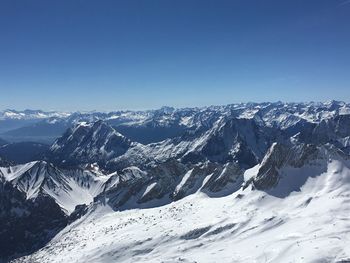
(247,182)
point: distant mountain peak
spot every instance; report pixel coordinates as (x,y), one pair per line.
(89,143)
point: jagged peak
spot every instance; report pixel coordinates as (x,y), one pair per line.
(95,127)
(288,154)
(89,143)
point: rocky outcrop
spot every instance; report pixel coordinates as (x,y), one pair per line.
(280,155)
(26,225)
(88,143)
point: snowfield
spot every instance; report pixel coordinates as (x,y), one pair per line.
(307,221)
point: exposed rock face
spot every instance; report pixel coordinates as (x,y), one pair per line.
(167,182)
(26,225)
(229,140)
(241,140)
(229,174)
(142,185)
(35,202)
(126,185)
(280,155)
(88,143)
(66,187)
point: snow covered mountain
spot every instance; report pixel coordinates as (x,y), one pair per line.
(309,224)
(157,125)
(30,114)
(193,184)
(26,225)
(68,188)
(38,199)
(89,143)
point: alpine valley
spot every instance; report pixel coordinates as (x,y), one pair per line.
(247,182)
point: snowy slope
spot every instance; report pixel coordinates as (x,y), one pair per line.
(68,188)
(308,225)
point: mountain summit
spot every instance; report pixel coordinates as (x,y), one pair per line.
(89,143)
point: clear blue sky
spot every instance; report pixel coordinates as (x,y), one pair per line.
(105,55)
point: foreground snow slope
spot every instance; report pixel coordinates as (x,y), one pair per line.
(309,225)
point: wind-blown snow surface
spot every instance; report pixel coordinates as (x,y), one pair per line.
(311,224)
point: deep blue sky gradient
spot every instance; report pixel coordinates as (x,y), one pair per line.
(106,55)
